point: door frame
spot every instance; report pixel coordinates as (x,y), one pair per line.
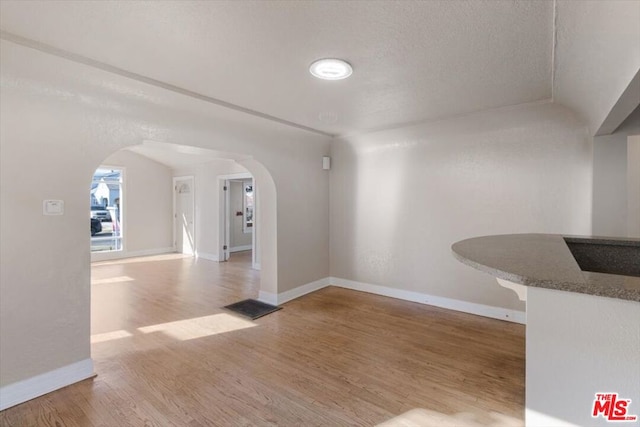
(224,225)
(193,207)
(633,190)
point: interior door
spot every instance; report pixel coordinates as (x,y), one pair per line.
(184,216)
(227,221)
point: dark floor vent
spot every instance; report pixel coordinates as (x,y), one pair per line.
(252,308)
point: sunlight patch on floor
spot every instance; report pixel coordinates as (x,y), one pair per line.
(151,258)
(118,279)
(109,336)
(425,418)
(200,326)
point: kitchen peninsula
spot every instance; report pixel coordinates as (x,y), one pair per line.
(583,318)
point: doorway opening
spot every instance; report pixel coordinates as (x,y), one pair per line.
(238,210)
(171,202)
(106,204)
(184,236)
(157,176)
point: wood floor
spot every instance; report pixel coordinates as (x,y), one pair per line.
(166,354)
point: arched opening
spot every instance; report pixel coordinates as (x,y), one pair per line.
(57,132)
(199,282)
(147,170)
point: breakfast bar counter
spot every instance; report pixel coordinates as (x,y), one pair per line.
(582,321)
(547,261)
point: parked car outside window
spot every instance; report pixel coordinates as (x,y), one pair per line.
(101,213)
(96,226)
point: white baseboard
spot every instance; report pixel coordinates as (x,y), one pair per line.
(303,290)
(108,256)
(256,266)
(241,248)
(268,297)
(210,257)
(16,393)
(448,303)
(281,298)
(442,302)
(149,252)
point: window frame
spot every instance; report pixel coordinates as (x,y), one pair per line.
(120,239)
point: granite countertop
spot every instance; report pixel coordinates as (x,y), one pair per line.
(545,261)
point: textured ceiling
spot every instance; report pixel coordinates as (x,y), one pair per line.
(180,156)
(413,61)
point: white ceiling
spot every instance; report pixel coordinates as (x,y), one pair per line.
(413,61)
(180,156)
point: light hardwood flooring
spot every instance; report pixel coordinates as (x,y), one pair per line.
(166,354)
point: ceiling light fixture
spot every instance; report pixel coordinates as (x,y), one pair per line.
(330,69)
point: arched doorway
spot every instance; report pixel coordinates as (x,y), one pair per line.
(151,167)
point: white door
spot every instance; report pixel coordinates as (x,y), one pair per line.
(227,221)
(184,228)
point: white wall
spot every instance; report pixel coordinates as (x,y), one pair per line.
(147,206)
(597,54)
(207,202)
(60,120)
(579,345)
(610,185)
(400,198)
(610,180)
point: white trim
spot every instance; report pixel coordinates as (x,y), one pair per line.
(222,218)
(268,297)
(500,313)
(21,391)
(148,252)
(281,298)
(254,234)
(241,248)
(239,175)
(227,220)
(633,184)
(303,290)
(554,44)
(210,257)
(448,303)
(110,255)
(174,237)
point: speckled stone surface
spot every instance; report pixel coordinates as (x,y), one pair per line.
(545,261)
(612,257)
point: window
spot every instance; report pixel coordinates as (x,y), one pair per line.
(248,206)
(106,210)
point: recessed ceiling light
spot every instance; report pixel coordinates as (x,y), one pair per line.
(331,69)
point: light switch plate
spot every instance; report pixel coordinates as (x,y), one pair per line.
(53,207)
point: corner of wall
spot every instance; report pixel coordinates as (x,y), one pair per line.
(22,391)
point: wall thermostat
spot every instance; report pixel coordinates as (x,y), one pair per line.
(53,207)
